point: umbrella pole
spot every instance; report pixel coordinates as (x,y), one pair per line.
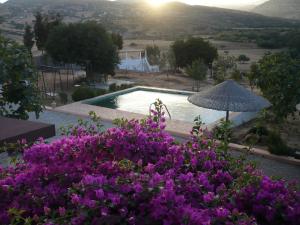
(227,116)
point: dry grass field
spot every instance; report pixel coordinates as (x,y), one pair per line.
(162,80)
(171,81)
(224,47)
(289,131)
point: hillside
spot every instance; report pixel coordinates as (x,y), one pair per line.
(137,20)
(289,9)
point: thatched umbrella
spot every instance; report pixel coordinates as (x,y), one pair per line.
(229,96)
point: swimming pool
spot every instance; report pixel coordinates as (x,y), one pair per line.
(138,100)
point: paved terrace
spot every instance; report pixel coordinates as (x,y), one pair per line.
(176,127)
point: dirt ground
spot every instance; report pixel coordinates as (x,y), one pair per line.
(231,48)
(289,131)
(162,80)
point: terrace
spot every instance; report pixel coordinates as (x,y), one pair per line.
(138,109)
(270,164)
(113,156)
(117,105)
(68,147)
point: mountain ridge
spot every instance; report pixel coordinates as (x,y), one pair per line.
(288,9)
(170,21)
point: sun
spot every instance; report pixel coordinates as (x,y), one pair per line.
(157,3)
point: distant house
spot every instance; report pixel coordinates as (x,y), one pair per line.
(136,60)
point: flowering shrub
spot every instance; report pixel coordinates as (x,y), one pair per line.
(138,174)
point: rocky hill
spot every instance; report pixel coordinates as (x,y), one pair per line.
(289,9)
(136,19)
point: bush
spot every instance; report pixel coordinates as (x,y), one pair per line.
(99,92)
(236,75)
(278,77)
(259,130)
(125,86)
(243,58)
(132,44)
(276,145)
(153,54)
(82,93)
(20,94)
(113,87)
(81,81)
(63,97)
(137,174)
(198,71)
(223,131)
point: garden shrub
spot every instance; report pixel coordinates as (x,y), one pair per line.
(136,173)
(81,81)
(132,44)
(82,93)
(259,130)
(100,92)
(63,97)
(276,145)
(19,92)
(237,75)
(223,131)
(113,87)
(125,86)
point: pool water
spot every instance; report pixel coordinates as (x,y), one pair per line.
(139,101)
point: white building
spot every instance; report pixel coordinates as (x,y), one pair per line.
(136,60)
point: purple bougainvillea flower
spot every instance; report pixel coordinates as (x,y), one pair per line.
(137,174)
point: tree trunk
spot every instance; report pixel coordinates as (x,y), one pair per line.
(90,75)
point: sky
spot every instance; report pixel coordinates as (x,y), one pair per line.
(208,2)
(213,2)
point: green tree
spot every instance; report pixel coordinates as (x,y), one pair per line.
(28,38)
(20,94)
(87,44)
(187,51)
(236,75)
(153,54)
(222,67)
(178,51)
(40,33)
(198,71)
(117,40)
(43,24)
(171,60)
(243,58)
(293,41)
(252,75)
(278,77)
(163,61)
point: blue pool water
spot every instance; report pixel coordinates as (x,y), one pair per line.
(139,101)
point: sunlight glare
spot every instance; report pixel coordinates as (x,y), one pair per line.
(217,3)
(157,3)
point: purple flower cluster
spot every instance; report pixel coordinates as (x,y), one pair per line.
(138,174)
